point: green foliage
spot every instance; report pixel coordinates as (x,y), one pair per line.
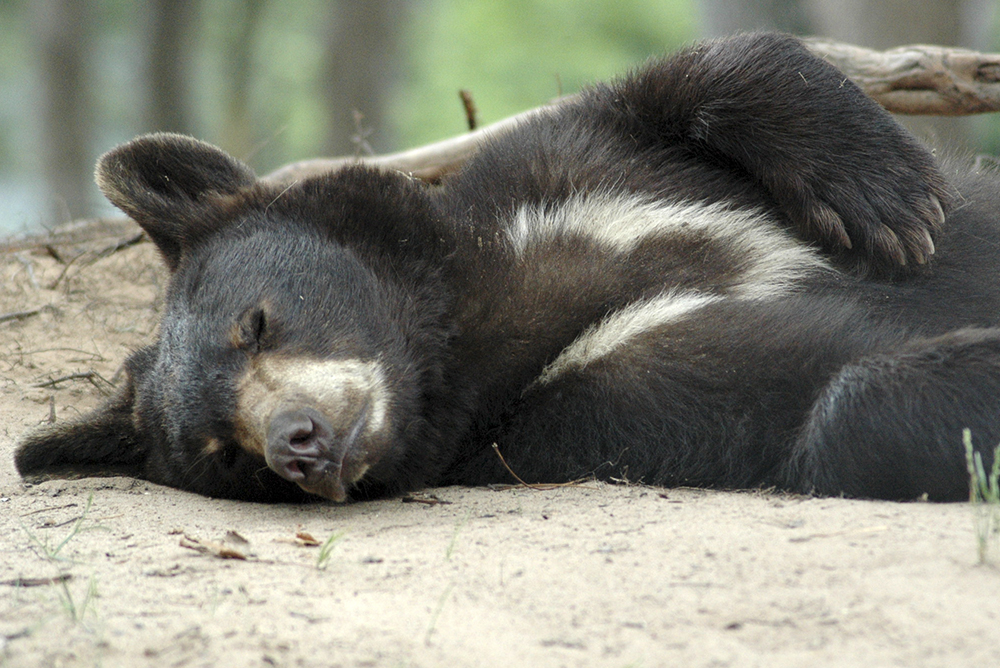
(15,82)
(516,54)
(284,94)
(76,608)
(511,54)
(984,495)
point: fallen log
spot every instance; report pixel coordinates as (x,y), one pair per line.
(916,80)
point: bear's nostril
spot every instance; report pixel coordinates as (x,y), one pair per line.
(301,436)
(293,471)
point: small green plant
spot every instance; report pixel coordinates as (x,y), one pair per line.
(77,610)
(984,496)
(326,550)
(437,613)
(454,536)
(50,552)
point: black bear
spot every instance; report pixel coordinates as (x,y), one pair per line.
(729,269)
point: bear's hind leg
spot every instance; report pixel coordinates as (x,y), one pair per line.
(890,425)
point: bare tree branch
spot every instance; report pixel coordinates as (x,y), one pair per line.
(428,163)
(919,79)
(928,80)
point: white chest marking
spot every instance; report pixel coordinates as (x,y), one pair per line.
(768,258)
(622,327)
(765,259)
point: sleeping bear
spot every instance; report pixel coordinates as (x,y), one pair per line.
(728,269)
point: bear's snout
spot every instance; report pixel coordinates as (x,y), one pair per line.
(304,448)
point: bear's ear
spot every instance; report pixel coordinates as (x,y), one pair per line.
(170,184)
(104,442)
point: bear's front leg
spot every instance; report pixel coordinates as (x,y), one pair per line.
(829,157)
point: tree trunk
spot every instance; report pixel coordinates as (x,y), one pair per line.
(170,52)
(361,66)
(237,132)
(62,36)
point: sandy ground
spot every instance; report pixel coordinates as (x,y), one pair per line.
(96,573)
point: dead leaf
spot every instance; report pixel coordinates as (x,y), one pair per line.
(211,547)
(306,539)
(302,538)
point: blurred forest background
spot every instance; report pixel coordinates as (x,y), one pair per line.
(273,81)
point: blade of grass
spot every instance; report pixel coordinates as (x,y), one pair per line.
(984,496)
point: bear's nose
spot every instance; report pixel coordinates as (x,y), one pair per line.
(302,446)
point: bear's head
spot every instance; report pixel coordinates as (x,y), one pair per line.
(300,338)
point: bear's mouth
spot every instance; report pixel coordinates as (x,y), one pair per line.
(303,447)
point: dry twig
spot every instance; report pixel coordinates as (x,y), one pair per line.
(543,487)
(95,379)
(36,582)
(21,315)
(119,245)
(425,498)
(470,108)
